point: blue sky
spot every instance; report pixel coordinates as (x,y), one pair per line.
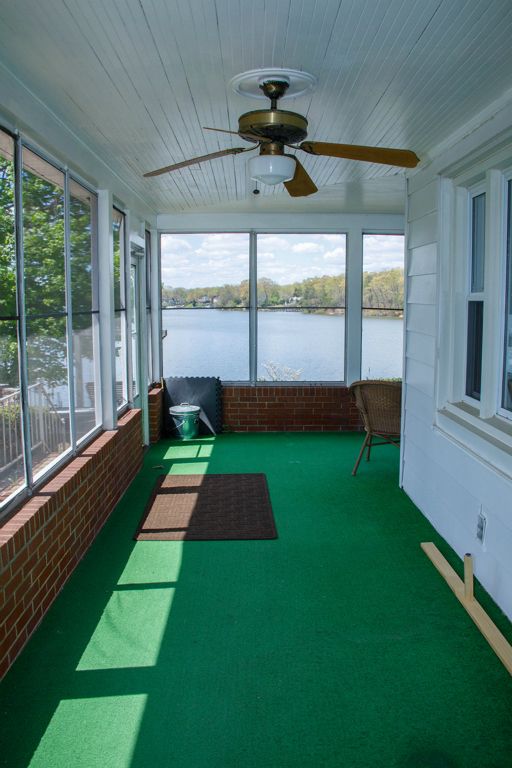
(200,260)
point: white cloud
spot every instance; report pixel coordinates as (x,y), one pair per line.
(381,252)
(212,259)
(273,242)
(337,254)
(331,238)
(200,260)
(307,247)
(174,243)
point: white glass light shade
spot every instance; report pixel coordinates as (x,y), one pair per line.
(271,169)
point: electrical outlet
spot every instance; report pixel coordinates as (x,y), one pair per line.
(481,525)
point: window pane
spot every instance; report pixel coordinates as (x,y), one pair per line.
(82,223)
(507,377)
(474,351)
(301,300)
(477,243)
(121,359)
(47,389)
(7,229)
(147,244)
(202,342)
(118,237)
(149,329)
(12,466)
(134,296)
(383,301)
(205,293)
(43,236)
(121,354)
(300,345)
(476,308)
(47,363)
(85,353)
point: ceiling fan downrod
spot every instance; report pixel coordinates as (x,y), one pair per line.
(274,90)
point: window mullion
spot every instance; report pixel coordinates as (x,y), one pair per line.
(156,306)
(353,304)
(253,307)
(69,315)
(106,302)
(128,309)
(22,326)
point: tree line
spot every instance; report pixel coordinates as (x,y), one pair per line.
(44,275)
(382,291)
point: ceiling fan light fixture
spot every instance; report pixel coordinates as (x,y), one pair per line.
(271,169)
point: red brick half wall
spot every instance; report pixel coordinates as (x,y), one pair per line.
(43,542)
(308,408)
(155,407)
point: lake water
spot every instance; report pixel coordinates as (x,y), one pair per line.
(212,342)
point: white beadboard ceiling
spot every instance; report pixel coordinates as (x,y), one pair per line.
(137,79)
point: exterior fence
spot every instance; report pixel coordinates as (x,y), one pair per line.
(48,431)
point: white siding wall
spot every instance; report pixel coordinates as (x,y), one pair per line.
(446,481)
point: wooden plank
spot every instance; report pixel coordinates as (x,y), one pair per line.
(442,565)
(489,630)
(468,577)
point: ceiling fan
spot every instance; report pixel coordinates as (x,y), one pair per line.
(271,130)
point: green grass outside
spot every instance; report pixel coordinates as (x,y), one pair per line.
(337,644)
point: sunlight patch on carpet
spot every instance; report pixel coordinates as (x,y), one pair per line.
(92,733)
(130,631)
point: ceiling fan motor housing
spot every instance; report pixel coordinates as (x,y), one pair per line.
(274,124)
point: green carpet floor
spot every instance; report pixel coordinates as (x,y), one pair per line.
(337,644)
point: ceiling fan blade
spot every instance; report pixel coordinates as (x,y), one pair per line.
(200,159)
(219,130)
(302,184)
(404,158)
(244,135)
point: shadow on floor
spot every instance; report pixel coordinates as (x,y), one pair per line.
(335,644)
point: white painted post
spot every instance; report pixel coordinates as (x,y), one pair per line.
(353,299)
(253,308)
(106,301)
(156,310)
(129,309)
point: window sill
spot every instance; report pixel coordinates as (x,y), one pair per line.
(488,440)
(266,383)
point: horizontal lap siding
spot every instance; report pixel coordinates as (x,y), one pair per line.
(43,542)
(420,333)
(448,483)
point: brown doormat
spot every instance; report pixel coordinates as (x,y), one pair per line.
(208,507)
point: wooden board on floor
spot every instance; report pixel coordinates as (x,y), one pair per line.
(489,630)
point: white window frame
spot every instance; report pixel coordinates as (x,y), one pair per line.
(123,309)
(507,205)
(353,226)
(482,426)
(35,478)
(471,296)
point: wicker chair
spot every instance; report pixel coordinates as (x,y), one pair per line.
(379,403)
